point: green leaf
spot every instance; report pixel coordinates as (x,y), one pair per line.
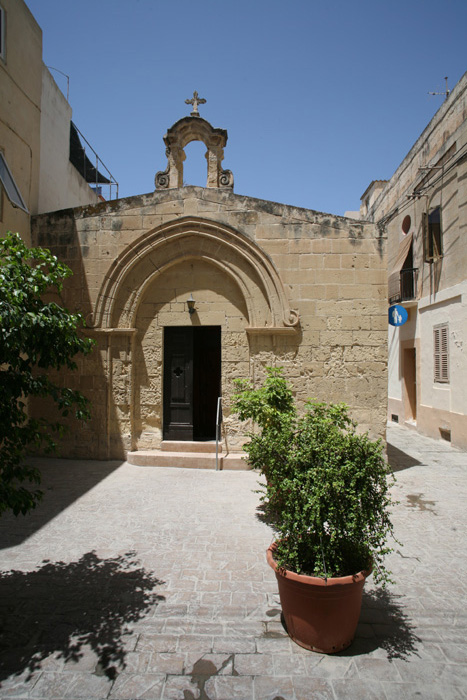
(36,336)
(327,488)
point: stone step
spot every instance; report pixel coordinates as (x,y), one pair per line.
(189,446)
(187,460)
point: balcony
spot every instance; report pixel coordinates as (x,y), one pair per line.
(406,288)
(409,284)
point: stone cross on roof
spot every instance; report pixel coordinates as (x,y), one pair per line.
(195,101)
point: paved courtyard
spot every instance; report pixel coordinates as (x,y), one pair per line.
(136,582)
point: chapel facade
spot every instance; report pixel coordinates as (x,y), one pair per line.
(187,288)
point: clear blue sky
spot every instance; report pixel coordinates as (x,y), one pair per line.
(318,98)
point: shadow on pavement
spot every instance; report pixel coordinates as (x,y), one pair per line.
(399,460)
(59,609)
(383,625)
(63,482)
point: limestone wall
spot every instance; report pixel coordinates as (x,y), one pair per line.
(251,266)
(20,109)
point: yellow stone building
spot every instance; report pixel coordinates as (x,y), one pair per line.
(43,163)
(422,211)
(187,288)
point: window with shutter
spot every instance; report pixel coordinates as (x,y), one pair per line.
(433,241)
(441,353)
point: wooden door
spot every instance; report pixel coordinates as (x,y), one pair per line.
(192,382)
(178,383)
(207,380)
(410,384)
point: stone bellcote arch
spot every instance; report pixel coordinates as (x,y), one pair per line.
(194,128)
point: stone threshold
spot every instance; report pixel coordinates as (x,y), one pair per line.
(188,459)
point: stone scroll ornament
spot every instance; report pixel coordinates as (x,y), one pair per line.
(291,319)
(226,179)
(162,179)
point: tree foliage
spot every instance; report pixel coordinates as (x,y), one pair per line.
(327,487)
(36,336)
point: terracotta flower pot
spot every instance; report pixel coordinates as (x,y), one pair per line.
(320,614)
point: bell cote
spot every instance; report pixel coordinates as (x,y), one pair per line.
(194,128)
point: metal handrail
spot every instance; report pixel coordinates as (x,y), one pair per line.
(113,181)
(218,429)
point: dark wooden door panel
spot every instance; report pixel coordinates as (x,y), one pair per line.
(178,384)
(192,382)
(207,380)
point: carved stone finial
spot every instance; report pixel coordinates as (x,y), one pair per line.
(195,101)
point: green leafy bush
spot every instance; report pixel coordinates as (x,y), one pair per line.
(36,336)
(327,487)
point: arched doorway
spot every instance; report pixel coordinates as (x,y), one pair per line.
(184,361)
(236,289)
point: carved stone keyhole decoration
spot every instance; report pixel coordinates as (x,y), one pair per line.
(178,371)
(194,128)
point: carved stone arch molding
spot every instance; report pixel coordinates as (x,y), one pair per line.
(194,238)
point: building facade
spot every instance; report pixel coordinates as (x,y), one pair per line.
(20,110)
(186,289)
(423,212)
(36,170)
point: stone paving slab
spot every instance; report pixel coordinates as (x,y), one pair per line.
(131,582)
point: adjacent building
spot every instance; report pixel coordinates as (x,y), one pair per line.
(422,210)
(39,168)
(20,110)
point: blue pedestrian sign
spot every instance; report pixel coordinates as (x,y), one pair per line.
(397,315)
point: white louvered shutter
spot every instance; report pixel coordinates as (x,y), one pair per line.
(441,354)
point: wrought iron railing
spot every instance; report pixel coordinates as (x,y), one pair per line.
(409,284)
(218,429)
(403,285)
(91,173)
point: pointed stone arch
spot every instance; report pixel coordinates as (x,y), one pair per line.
(195,238)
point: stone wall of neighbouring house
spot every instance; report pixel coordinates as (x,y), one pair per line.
(20,113)
(432,176)
(289,287)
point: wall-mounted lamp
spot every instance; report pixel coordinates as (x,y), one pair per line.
(191,305)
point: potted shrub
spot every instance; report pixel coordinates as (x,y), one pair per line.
(328,500)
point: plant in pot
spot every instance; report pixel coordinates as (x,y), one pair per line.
(327,495)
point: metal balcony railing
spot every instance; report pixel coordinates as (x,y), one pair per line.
(409,284)
(91,173)
(404,286)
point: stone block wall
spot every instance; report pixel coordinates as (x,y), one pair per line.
(289,287)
